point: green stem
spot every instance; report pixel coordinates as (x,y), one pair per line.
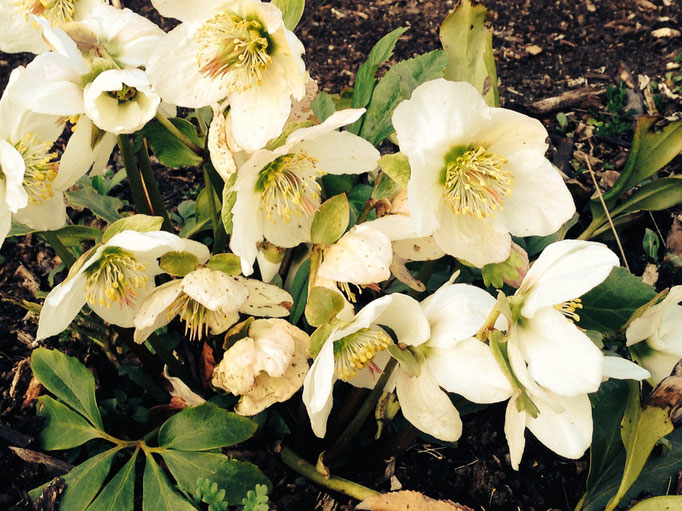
(62,251)
(132,170)
(179,134)
(366,210)
(219,235)
(299,465)
(360,417)
(591,229)
(489,325)
(152,187)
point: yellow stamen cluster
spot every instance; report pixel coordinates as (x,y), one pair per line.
(196,317)
(116,277)
(234,49)
(475,182)
(288,186)
(356,351)
(41,169)
(568,309)
(57,12)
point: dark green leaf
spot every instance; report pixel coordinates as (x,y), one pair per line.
(395,87)
(103,206)
(63,427)
(139,223)
(323,106)
(188,467)
(69,380)
(663,503)
(166,146)
(157,493)
(650,243)
(237,478)
(204,427)
(608,306)
(299,292)
(73,235)
(119,493)
(654,196)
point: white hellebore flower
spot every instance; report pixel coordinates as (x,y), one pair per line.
(266,367)
(32,179)
(277,192)
(479,173)
(660,327)
(209,300)
(234,49)
(557,364)
(18,33)
(97,73)
(113,280)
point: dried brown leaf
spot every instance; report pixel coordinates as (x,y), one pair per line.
(408,501)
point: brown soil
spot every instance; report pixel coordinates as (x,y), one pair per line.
(543,48)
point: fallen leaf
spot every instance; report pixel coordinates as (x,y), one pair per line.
(650,275)
(207,365)
(32,393)
(665,32)
(673,242)
(408,501)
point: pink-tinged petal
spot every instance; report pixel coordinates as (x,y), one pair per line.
(317,389)
(427,407)
(560,357)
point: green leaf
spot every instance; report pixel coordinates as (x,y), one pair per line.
(166,146)
(288,129)
(63,427)
(73,235)
(535,244)
(651,151)
(102,206)
(204,427)
(237,478)
(119,493)
(292,10)
(299,292)
(468,43)
(364,79)
(323,106)
(158,494)
(654,196)
(384,187)
(18,229)
(397,167)
(608,306)
(227,263)
(650,243)
(83,482)
(331,220)
(69,380)
(318,339)
(229,198)
(323,305)
(178,264)
(139,223)
(188,467)
(397,85)
(663,503)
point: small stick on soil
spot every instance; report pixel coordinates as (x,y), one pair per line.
(30,456)
(585,96)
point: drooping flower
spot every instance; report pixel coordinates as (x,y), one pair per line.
(266,367)
(209,300)
(478,173)
(555,361)
(655,338)
(277,192)
(113,280)
(19,33)
(234,49)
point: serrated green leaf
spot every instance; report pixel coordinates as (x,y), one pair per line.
(237,478)
(138,223)
(157,492)
(323,106)
(227,263)
(105,207)
(69,380)
(299,292)
(204,427)
(655,196)
(364,79)
(292,10)
(187,467)
(178,264)
(323,305)
(166,146)
(468,43)
(608,306)
(397,85)
(331,220)
(119,493)
(663,503)
(63,427)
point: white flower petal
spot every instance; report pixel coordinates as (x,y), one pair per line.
(274,346)
(333,122)
(265,299)
(48,216)
(13,168)
(184,10)
(78,156)
(286,234)
(427,407)
(341,152)
(514,430)
(622,369)
(317,389)
(215,290)
(121,315)
(153,311)
(404,316)
(61,306)
(16,33)
(507,131)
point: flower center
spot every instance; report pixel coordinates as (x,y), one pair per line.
(288,186)
(474,182)
(568,309)
(57,12)
(234,48)
(115,278)
(41,169)
(125,94)
(357,350)
(197,318)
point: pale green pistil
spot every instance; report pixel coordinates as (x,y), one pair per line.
(475,182)
(357,351)
(116,277)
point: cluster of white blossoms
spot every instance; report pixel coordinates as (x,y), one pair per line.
(478,177)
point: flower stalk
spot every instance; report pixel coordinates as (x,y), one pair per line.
(142,203)
(62,251)
(152,187)
(166,123)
